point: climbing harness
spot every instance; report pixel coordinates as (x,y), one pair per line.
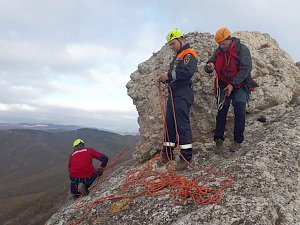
(220,98)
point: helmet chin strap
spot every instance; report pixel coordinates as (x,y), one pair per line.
(180,43)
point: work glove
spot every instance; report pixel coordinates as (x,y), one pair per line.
(100,171)
(210,66)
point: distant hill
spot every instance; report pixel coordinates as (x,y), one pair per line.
(52,127)
(33,167)
(40,126)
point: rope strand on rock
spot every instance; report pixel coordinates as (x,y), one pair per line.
(206,188)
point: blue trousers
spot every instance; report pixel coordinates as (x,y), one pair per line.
(86,181)
(239,98)
(182,99)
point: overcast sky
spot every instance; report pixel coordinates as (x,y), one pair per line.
(68,61)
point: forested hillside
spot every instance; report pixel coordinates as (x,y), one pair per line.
(33,169)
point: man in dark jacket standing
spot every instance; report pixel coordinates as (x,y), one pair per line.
(81,169)
(181,70)
(233,64)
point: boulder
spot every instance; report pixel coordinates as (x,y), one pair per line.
(273,69)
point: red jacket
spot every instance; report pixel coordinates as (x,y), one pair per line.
(81,163)
(236,68)
(225,64)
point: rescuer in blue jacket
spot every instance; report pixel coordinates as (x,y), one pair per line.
(181,70)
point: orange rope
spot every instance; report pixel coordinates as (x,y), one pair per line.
(206,188)
(149,182)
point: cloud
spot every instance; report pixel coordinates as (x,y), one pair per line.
(112,120)
(68,62)
(276,17)
(16,107)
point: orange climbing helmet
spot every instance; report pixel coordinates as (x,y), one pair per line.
(222,34)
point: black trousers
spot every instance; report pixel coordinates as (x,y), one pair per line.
(182,99)
(239,98)
(86,181)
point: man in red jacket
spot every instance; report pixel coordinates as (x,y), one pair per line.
(81,169)
(233,64)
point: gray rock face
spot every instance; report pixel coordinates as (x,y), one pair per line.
(265,190)
(265,172)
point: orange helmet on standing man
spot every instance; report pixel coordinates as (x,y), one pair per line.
(222,34)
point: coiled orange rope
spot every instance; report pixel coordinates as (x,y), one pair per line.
(203,189)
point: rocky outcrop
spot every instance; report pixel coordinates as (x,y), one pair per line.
(273,70)
(265,173)
(265,190)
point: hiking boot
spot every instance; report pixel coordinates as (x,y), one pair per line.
(234,147)
(164,159)
(75,196)
(219,146)
(83,190)
(181,165)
